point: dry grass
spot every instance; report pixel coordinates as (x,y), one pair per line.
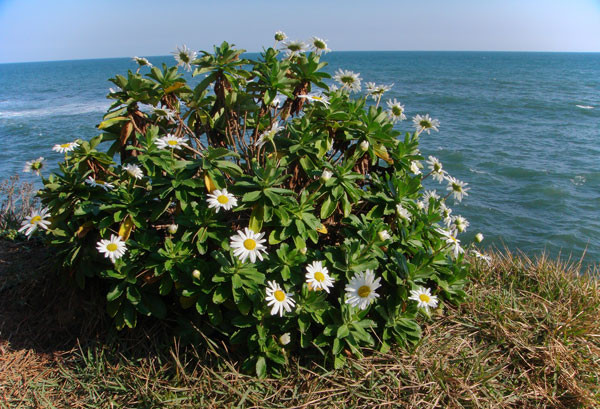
(527,337)
(17,200)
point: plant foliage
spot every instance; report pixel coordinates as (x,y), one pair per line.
(325,176)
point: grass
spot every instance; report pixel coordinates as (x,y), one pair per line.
(527,337)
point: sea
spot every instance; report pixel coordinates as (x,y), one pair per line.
(522,129)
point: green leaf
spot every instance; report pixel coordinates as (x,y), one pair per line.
(252,196)
(110,122)
(129,315)
(261,367)
(343,331)
(115,292)
(328,207)
(256,218)
(220,295)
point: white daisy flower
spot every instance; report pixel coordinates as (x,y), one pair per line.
(423,296)
(280,36)
(333,88)
(479,237)
(415,168)
(420,204)
(279,299)
(113,249)
(460,223)
(268,136)
(221,199)
(395,110)
(141,61)
(437,172)
(184,57)
(37,219)
(248,244)
(377,91)
(293,47)
(34,166)
(450,239)
(384,235)
(402,212)
(480,256)
(360,291)
(425,123)
(285,339)
(445,212)
(134,171)
(170,141)
(167,113)
(319,45)
(65,147)
(364,146)
(348,79)
(457,188)
(317,277)
(429,195)
(316,96)
(99,183)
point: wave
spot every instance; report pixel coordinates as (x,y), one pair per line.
(585,106)
(578,180)
(68,109)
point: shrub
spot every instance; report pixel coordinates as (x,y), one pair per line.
(281,212)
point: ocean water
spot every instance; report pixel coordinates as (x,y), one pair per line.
(522,129)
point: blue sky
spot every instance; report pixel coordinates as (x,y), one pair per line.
(39,30)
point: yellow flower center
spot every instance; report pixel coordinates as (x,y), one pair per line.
(35,219)
(279,295)
(397,111)
(424,298)
(319,276)
(364,291)
(249,244)
(112,247)
(223,199)
(65,145)
(172,142)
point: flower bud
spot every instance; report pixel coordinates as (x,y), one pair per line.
(326,175)
(172,229)
(364,146)
(303,250)
(280,36)
(479,237)
(285,339)
(196,274)
(384,235)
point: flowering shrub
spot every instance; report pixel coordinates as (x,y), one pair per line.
(280,210)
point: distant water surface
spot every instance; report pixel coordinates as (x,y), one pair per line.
(523,129)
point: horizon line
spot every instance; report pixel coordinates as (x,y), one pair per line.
(340,51)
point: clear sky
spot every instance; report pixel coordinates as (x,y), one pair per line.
(38,30)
